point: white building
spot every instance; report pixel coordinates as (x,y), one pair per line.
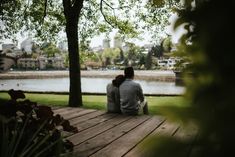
(106,43)
(63,45)
(8,46)
(27,45)
(52,62)
(117,41)
(167,63)
(41,63)
(126,48)
(28,63)
(97,49)
(11,50)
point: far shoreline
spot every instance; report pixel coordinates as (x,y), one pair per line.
(151,75)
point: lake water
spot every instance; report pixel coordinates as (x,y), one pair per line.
(89,85)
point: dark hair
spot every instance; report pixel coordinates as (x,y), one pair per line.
(129,72)
(118,80)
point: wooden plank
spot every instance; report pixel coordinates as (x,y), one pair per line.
(187,136)
(94,131)
(86,117)
(125,143)
(93,145)
(61,110)
(56,107)
(78,120)
(68,113)
(66,110)
(95,121)
(79,113)
(187,133)
(90,123)
(166,129)
(79,116)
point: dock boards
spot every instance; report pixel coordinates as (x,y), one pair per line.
(114,135)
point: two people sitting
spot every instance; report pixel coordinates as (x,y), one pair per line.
(126,96)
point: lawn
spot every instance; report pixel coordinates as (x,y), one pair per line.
(170,106)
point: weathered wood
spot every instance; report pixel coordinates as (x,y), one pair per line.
(67,114)
(86,117)
(65,110)
(98,129)
(93,145)
(77,113)
(56,107)
(115,135)
(125,143)
(186,135)
(166,129)
(61,110)
(95,121)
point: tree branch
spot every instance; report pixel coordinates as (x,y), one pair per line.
(101,10)
(108,4)
(121,7)
(45,11)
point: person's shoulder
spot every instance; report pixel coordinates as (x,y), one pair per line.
(109,85)
(136,84)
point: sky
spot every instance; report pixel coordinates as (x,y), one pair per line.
(176,34)
(98,40)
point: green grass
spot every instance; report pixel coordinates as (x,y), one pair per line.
(170,106)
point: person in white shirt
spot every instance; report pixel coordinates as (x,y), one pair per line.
(113,96)
(131,95)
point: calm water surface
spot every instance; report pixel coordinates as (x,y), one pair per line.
(89,85)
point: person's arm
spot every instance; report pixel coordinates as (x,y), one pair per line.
(140,93)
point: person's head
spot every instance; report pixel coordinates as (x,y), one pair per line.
(119,79)
(129,72)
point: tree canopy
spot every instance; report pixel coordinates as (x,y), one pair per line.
(45,20)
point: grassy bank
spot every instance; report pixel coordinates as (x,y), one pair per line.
(167,105)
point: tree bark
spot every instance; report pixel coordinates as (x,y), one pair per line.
(72,12)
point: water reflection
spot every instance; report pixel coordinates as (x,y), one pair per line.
(89,85)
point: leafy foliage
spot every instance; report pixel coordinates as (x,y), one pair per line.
(209,43)
(28,129)
(45,19)
(51,50)
(209,47)
(111,56)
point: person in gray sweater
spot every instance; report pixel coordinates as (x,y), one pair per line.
(131,95)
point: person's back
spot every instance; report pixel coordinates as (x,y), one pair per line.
(113,102)
(131,95)
(113,96)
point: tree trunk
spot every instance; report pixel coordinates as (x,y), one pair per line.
(72,12)
(75,94)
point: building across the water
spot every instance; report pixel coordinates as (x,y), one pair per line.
(41,63)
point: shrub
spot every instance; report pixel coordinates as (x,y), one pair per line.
(28,129)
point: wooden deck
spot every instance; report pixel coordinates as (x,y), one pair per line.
(114,135)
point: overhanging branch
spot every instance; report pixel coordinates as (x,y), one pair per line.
(101,10)
(45,11)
